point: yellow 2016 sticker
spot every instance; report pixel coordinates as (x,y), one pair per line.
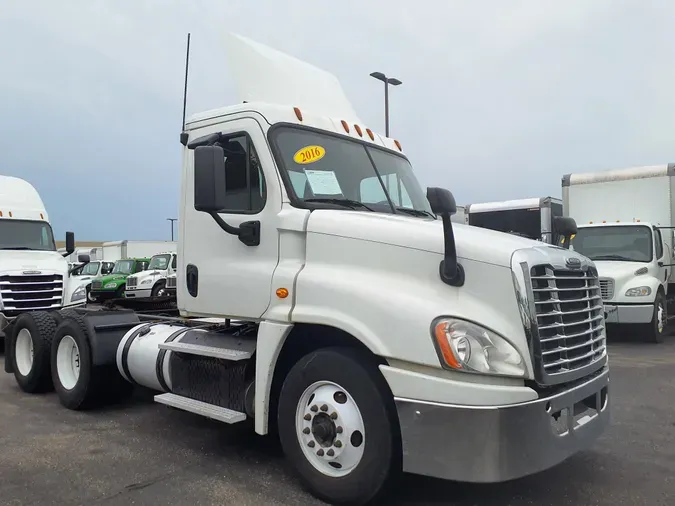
(309,154)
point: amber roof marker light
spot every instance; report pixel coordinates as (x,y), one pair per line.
(387,81)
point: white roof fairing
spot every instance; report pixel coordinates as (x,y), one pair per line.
(263,74)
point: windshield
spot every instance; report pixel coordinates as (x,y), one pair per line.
(123,267)
(336,170)
(620,243)
(160,262)
(89,270)
(26,235)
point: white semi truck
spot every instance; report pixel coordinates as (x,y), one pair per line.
(531,217)
(372,337)
(152,282)
(33,275)
(625,225)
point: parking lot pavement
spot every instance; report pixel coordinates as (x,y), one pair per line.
(146,454)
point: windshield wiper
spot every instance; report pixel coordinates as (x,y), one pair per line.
(613,257)
(415,212)
(352,204)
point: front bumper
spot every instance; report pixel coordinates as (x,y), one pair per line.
(500,443)
(629,313)
(138,293)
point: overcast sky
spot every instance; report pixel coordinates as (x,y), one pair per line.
(500,98)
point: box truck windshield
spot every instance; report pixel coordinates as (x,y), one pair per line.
(26,235)
(627,243)
(159,262)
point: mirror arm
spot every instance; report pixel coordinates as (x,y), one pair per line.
(248,232)
(450,270)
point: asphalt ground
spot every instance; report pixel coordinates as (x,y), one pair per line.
(142,453)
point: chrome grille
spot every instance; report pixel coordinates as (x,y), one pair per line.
(96,285)
(569,319)
(171,282)
(30,292)
(132,282)
(607,288)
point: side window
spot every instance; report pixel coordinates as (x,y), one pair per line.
(659,243)
(245,182)
(141,266)
(174,262)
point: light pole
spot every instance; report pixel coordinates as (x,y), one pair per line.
(387,81)
(172,220)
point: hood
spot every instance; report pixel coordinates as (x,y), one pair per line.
(618,270)
(479,244)
(21,260)
(111,277)
(140,276)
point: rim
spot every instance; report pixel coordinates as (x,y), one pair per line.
(330,429)
(23,352)
(660,317)
(68,362)
(161,292)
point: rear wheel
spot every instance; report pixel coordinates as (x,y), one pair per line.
(31,343)
(338,426)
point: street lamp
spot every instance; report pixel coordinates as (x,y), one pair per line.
(172,220)
(387,81)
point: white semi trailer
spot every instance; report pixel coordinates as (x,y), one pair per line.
(625,225)
(372,337)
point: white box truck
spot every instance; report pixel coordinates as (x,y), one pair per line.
(625,223)
(152,282)
(531,217)
(120,250)
(33,275)
(372,337)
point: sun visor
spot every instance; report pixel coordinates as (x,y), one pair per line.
(263,74)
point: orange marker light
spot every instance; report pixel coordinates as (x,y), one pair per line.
(42,216)
(398,145)
(0,214)
(370,134)
(358,130)
(10,214)
(345,125)
(444,345)
(298,113)
(282,293)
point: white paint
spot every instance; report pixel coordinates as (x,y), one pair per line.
(628,174)
(68,362)
(529,203)
(23,352)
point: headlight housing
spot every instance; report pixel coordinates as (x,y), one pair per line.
(146,281)
(79,293)
(110,286)
(638,291)
(467,347)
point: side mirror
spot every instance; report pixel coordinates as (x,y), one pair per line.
(443,203)
(565,227)
(70,243)
(209,170)
(84,258)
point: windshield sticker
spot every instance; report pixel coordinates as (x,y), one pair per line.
(309,154)
(323,182)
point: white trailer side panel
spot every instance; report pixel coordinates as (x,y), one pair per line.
(112,251)
(146,249)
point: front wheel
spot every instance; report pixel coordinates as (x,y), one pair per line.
(654,331)
(338,426)
(159,290)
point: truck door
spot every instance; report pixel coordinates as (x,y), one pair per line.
(662,255)
(218,274)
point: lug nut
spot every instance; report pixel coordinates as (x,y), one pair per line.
(314,408)
(339,430)
(320,453)
(330,452)
(308,417)
(324,408)
(338,444)
(306,430)
(333,415)
(311,444)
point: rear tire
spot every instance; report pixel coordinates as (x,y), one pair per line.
(338,426)
(30,341)
(656,329)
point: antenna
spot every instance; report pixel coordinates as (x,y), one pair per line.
(187,63)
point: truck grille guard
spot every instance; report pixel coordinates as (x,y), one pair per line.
(561,308)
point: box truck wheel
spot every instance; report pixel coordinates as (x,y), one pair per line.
(655,331)
(159,289)
(31,341)
(338,426)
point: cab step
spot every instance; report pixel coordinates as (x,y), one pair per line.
(201,408)
(212,344)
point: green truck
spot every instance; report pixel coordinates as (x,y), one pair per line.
(112,285)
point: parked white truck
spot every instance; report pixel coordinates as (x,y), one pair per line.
(373,337)
(119,250)
(33,275)
(625,225)
(152,281)
(532,217)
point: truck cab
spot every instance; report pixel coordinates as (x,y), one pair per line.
(87,272)
(112,286)
(152,281)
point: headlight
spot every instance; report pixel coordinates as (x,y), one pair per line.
(146,281)
(109,286)
(467,347)
(79,293)
(638,291)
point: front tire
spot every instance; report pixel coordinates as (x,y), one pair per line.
(31,341)
(159,290)
(655,330)
(338,426)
